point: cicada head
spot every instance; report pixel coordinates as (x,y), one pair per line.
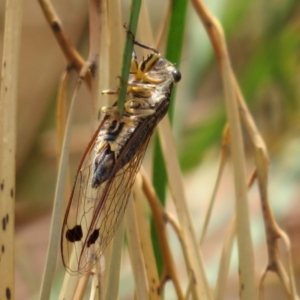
(162,71)
(156,70)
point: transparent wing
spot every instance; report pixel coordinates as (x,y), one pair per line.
(94,214)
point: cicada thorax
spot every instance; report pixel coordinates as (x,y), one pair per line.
(108,168)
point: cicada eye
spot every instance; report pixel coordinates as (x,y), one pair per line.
(176,75)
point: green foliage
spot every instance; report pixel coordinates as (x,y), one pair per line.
(263,49)
(197,140)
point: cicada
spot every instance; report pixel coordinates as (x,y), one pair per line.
(111,161)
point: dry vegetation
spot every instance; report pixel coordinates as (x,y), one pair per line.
(192,231)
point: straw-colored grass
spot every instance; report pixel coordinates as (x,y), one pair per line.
(8,111)
(145,249)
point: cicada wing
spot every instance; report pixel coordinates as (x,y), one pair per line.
(99,210)
(110,210)
(75,222)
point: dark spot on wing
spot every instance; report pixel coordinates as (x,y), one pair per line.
(74,234)
(93,237)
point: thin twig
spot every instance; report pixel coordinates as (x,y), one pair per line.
(223,159)
(73,58)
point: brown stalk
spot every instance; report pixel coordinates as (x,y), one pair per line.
(160,222)
(146,241)
(273,231)
(176,227)
(245,247)
(73,58)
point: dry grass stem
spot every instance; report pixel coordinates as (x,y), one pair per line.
(96,289)
(219,292)
(58,207)
(162,32)
(145,239)
(72,56)
(144,30)
(176,227)
(135,251)
(273,231)
(113,264)
(76,288)
(159,217)
(115,42)
(223,159)
(196,269)
(246,266)
(8,129)
(61,109)
(99,54)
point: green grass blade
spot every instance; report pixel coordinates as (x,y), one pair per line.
(173,54)
(133,21)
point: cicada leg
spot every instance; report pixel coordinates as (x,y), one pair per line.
(138,108)
(111,92)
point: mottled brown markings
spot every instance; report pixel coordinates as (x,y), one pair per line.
(93,69)
(2,186)
(4,64)
(158,291)
(7,218)
(2,248)
(5,89)
(209,24)
(12,193)
(4,224)
(70,67)
(55,26)
(8,293)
